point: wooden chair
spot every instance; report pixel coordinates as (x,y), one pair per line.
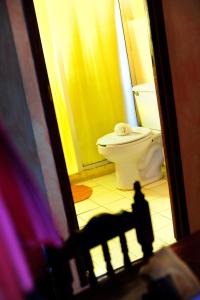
(98,231)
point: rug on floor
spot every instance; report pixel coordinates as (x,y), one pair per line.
(80,192)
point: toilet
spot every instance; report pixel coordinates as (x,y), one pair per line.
(138,155)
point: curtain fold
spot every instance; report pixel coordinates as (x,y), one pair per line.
(82,51)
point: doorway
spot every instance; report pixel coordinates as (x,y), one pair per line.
(104,186)
(180,213)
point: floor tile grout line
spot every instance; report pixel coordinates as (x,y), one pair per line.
(87,211)
(110,202)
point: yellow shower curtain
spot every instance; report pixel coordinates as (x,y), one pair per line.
(80,47)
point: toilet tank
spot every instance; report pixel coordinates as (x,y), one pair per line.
(147,106)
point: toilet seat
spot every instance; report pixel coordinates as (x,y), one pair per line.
(137,133)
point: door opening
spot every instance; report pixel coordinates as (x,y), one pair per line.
(173,171)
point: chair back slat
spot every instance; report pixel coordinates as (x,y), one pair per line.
(143,224)
(107,258)
(102,228)
(90,268)
(124,247)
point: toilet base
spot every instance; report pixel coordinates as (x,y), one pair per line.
(126,175)
(153,179)
(129,187)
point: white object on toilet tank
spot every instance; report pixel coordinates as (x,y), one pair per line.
(122,129)
(146,102)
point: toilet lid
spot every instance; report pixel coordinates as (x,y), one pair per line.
(114,139)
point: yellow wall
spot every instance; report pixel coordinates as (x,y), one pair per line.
(137,40)
(80,47)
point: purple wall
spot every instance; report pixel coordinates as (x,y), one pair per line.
(21,109)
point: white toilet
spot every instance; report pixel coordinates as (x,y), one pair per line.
(139,154)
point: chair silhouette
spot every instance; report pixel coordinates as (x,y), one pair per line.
(98,231)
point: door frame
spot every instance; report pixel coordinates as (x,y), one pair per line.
(166,107)
(49,112)
(168,118)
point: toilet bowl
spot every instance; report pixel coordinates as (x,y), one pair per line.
(137,156)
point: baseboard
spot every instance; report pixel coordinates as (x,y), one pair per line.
(92,173)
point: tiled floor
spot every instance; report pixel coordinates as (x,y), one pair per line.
(106,198)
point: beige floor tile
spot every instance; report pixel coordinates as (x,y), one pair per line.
(166,234)
(159,204)
(81,222)
(118,205)
(116,258)
(103,179)
(159,222)
(133,256)
(85,206)
(106,198)
(99,268)
(110,186)
(161,189)
(167,213)
(155,184)
(136,250)
(117,262)
(114,243)
(99,190)
(127,194)
(138,256)
(158,244)
(91,182)
(150,195)
(96,252)
(133,245)
(131,235)
(88,215)
(107,181)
